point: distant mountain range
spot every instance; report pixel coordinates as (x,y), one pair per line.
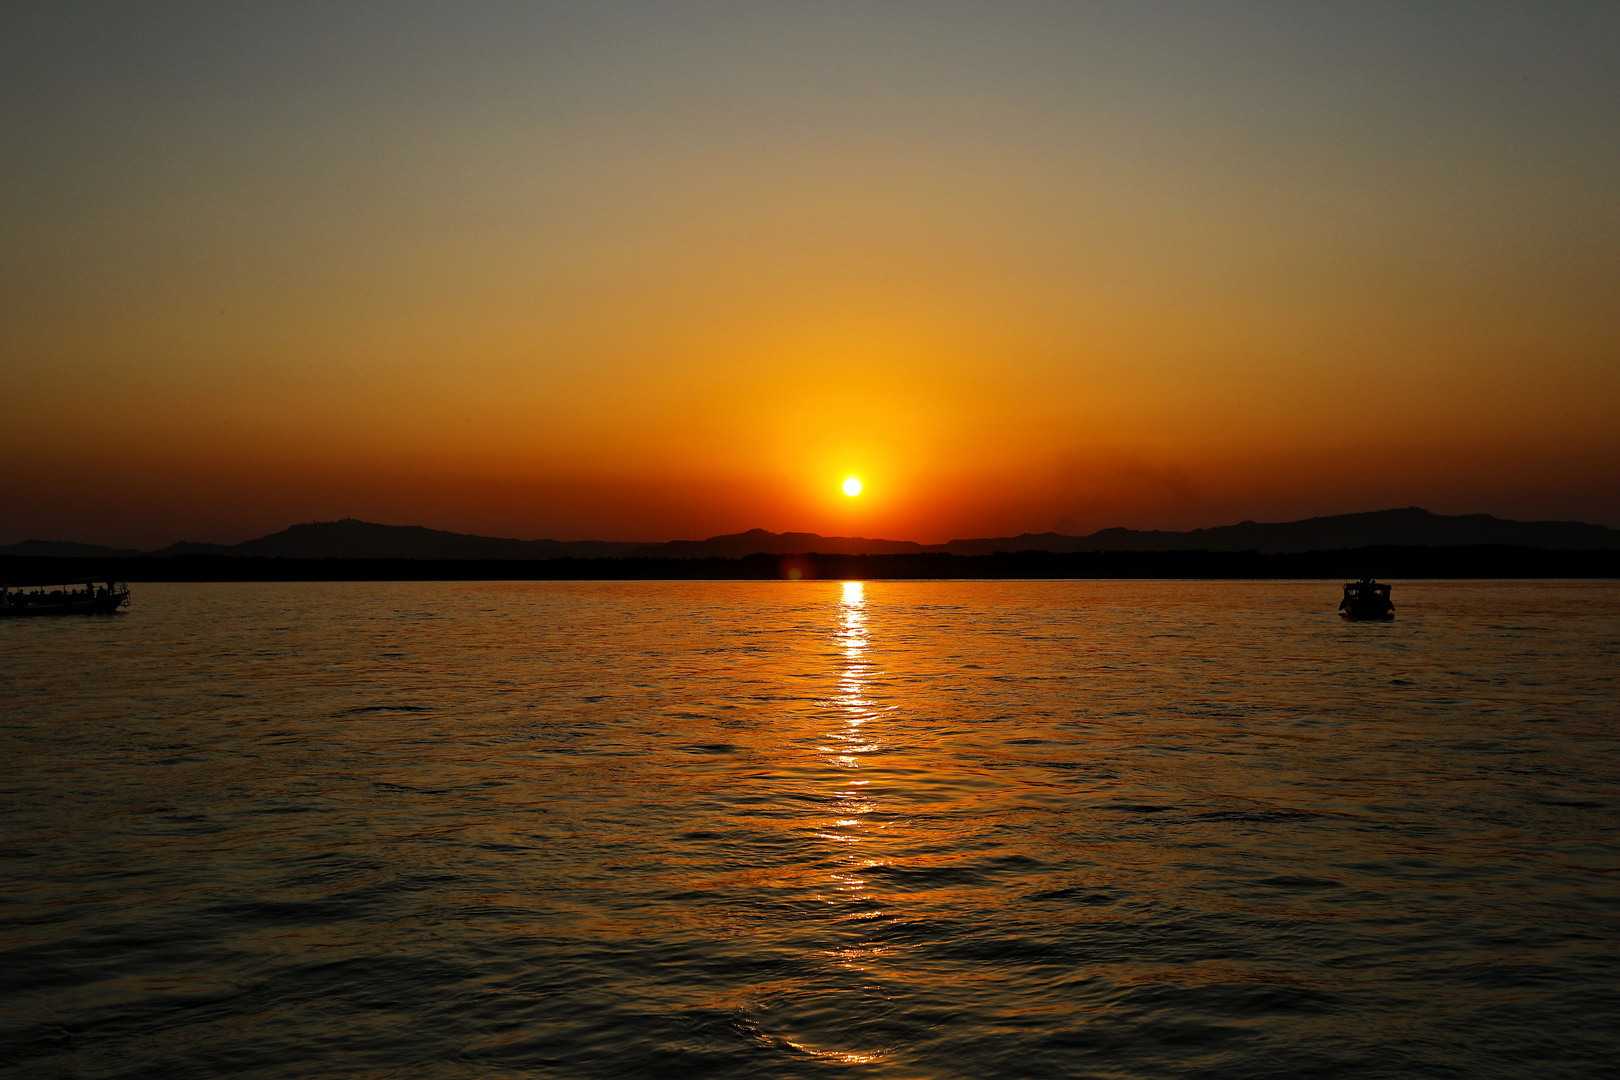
(1412,526)
(351,539)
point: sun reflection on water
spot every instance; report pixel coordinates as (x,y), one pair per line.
(849,826)
(852,739)
(853,705)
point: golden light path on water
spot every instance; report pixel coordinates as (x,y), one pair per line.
(854,799)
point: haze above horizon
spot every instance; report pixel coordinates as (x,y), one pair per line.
(619,271)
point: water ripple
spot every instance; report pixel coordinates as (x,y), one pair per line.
(964,829)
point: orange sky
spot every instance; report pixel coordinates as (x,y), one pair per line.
(642,272)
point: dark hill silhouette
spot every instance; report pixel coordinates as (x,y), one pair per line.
(1411,526)
(66,549)
(351,539)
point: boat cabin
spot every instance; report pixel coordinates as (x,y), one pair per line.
(1366,599)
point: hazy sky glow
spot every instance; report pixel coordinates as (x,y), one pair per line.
(632,271)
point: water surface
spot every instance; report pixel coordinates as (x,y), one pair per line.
(756,829)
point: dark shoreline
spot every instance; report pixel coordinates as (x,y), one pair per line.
(1492,561)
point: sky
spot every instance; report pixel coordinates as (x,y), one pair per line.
(647,271)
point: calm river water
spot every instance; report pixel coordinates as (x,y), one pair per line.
(755,829)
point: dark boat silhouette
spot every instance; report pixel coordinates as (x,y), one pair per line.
(1366,599)
(69,598)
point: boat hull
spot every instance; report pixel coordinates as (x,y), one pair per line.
(100,605)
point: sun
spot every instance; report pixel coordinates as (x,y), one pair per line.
(852,486)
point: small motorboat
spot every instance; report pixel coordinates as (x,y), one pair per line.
(72,598)
(1366,599)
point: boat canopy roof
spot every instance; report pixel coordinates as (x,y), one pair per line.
(56,584)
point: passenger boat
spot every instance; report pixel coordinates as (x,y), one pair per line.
(1366,599)
(70,598)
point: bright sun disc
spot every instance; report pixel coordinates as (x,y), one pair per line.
(852,486)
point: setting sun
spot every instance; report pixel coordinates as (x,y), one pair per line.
(852,486)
